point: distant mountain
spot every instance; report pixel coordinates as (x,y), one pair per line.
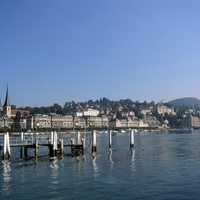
(188,101)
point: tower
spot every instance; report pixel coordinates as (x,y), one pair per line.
(1,107)
(7,106)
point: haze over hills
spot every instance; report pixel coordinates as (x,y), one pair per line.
(187,101)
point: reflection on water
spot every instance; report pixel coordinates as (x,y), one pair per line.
(132,159)
(132,154)
(54,172)
(161,166)
(94,164)
(6,174)
(111,158)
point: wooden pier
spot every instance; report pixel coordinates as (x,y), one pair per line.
(55,144)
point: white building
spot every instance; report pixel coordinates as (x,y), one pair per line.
(88,113)
(47,122)
(162,109)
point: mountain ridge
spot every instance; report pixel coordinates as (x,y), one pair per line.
(185,101)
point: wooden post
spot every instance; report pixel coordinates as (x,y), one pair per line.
(94,141)
(83,143)
(21,152)
(132,139)
(55,143)
(51,139)
(72,141)
(36,147)
(22,137)
(51,152)
(26,153)
(61,147)
(78,138)
(22,147)
(110,139)
(6,148)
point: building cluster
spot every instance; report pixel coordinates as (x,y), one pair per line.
(55,121)
(147,117)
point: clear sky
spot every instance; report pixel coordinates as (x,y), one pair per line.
(63,50)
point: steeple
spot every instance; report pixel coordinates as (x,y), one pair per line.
(1,107)
(7,102)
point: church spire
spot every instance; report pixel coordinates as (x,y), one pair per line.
(7,102)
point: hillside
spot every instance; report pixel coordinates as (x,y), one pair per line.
(188,101)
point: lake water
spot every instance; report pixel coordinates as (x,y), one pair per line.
(162,166)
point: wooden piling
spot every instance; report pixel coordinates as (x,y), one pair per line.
(61,147)
(94,141)
(110,139)
(6,147)
(83,143)
(132,139)
(25,153)
(55,143)
(78,138)
(51,152)
(22,147)
(21,152)
(36,147)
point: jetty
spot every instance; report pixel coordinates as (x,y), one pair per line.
(54,142)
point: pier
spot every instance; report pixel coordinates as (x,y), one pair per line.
(55,143)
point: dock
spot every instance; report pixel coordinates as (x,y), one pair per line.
(54,142)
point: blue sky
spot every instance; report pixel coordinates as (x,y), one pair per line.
(62,50)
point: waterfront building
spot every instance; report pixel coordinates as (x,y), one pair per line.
(2,122)
(143,124)
(124,123)
(98,122)
(62,122)
(50,121)
(194,122)
(39,121)
(6,122)
(152,121)
(80,122)
(133,123)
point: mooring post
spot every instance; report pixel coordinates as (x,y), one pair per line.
(61,147)
(22,147)
(22,137)
(6,149)
(72,141)
(21,152)
(55,143)
(94,141)
(26,152)
(132,139)
(78,138)
(36,146)
(83,143)
(110,139)
(51,139)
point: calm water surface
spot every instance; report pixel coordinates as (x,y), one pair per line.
(162,166)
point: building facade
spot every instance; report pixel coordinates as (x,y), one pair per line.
(162,109)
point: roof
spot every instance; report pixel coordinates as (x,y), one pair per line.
(7,102)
